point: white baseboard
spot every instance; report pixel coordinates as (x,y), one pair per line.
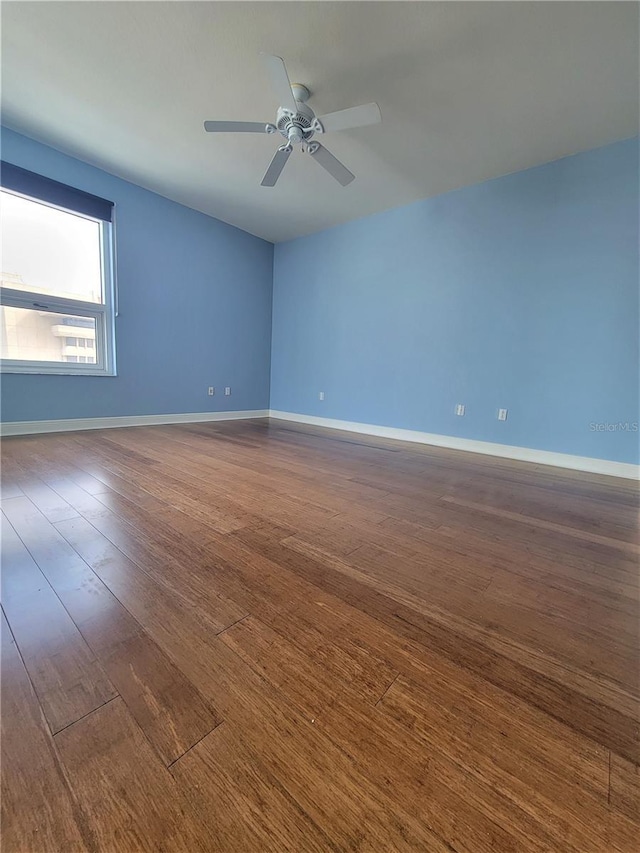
(74,424)
(506,451)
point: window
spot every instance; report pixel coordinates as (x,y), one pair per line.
(57,313)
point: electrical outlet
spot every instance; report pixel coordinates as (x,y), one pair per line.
(227,391)
(320,395)
(211,391)
(502,414)
(460,409)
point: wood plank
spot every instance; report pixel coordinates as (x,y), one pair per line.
(625,787)
(128,799)
(164,703)
(38,810)
(602,710)
(632,547)
(169,559)
(536,766)
(521,747)
(583,702)
(612,578)
(167,707)
(583,511)
(223,778)
(147,599)
(9,489)
(456,803)
(306,683)
(65,672)
(48,502)
(343,804)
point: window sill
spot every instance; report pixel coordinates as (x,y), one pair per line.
(41,370)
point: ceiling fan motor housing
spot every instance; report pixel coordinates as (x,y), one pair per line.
(296,127)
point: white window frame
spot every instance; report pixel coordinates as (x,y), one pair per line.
(102,312)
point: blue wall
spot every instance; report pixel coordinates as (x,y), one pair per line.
(195,308)
(520,293)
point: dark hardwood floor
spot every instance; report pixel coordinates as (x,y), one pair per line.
(253,636)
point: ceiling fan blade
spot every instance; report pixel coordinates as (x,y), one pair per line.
(235,127)
(280,81)
(275,167)
(332,165)
(353,117)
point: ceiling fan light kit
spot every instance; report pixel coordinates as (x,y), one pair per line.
(298,123)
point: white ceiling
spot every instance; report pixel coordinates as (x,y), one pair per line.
(468,91)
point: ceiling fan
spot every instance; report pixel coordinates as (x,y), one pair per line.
(298,123)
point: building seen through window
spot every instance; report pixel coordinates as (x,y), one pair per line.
(33,335)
